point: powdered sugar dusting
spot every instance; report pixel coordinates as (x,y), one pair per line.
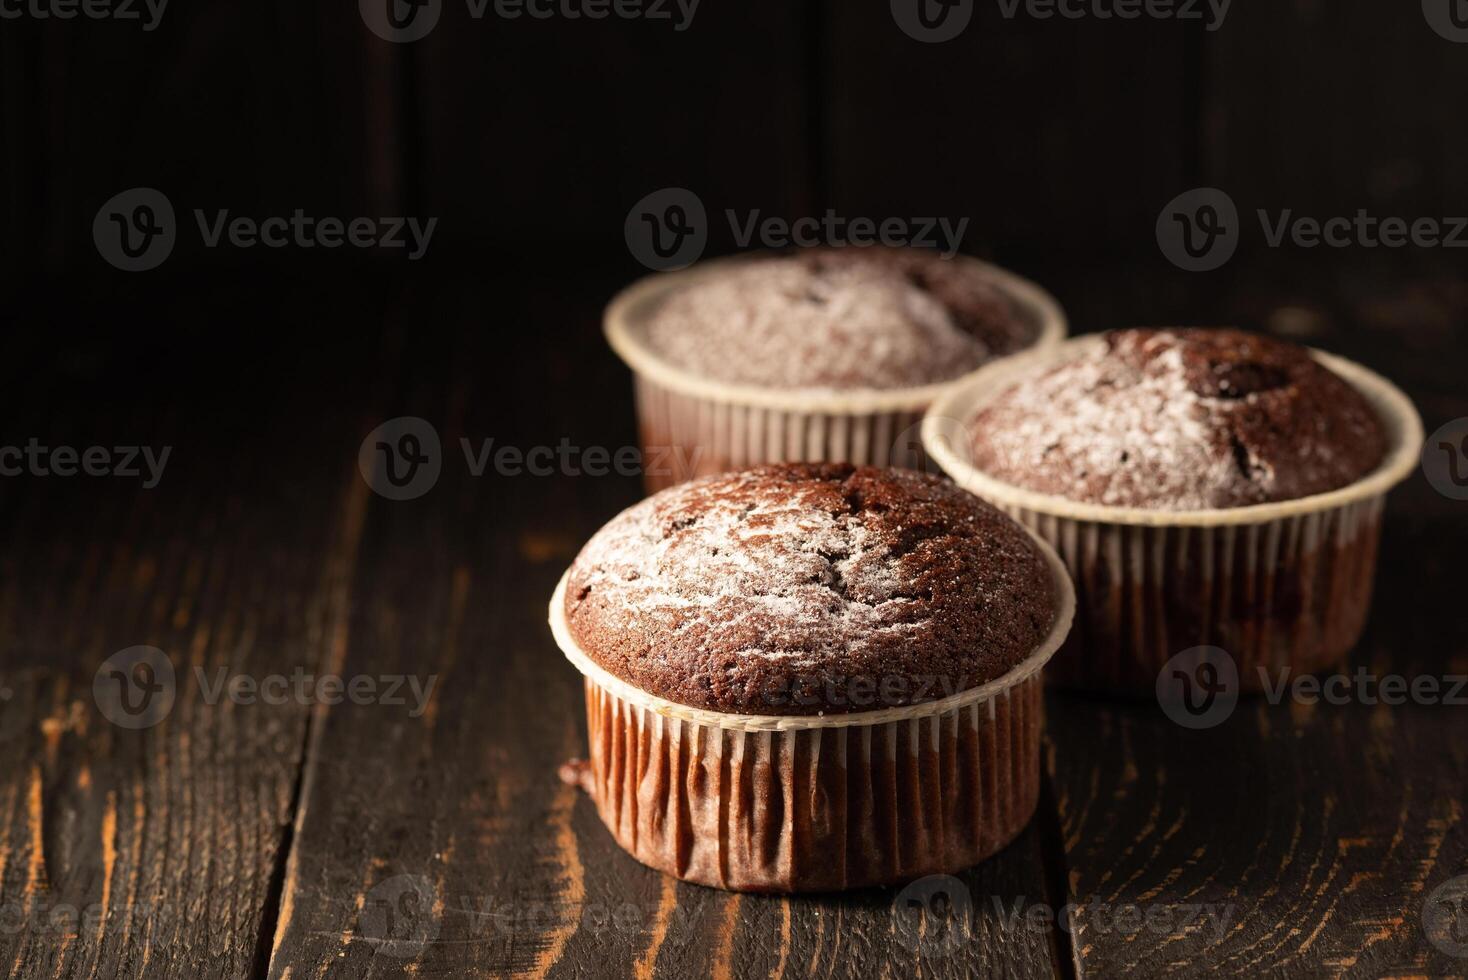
(1177,420)
(806,577)
(709,590)
(797,323)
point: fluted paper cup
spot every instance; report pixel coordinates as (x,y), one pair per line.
(1276,585)
(692,426)
(798,803)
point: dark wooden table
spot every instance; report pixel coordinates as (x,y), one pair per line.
(306,839)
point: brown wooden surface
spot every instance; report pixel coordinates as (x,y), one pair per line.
(283,841)
(250,840)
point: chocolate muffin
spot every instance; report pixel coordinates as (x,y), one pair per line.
(810,589)
(824,354)
(1208,490)
(812,677)
(848,318)
(1181,419)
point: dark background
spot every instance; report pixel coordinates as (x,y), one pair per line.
(1060,140)
(250,836)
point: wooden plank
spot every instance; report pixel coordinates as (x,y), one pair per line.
(455,822)
(614,109)
(158,850)
(462,808)
(1014,125)
(1287,840)
(91,108)
(1294,118)
(1312,835)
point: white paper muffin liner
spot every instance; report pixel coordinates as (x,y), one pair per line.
(692,426)
(1276,585)
(797,803)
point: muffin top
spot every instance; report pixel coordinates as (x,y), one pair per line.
(1182,419)
(809,589)
(837,318)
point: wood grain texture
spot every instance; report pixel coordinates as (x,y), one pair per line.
(157,851)
(455,822)
(1011,126)
(1293,838)
(364,840)
(257,110)
(1292,118)
(313,840)
(619,108)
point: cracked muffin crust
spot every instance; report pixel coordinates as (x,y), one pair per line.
(810,589)
(1181,419)
(838,318)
